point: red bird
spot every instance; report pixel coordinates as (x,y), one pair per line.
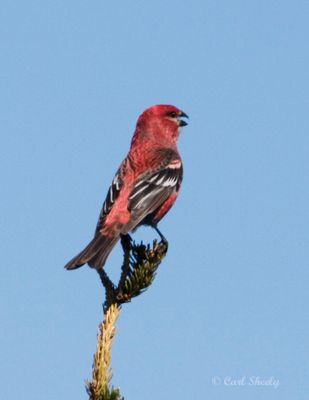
(145,186)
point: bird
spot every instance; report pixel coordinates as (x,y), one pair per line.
(145,186)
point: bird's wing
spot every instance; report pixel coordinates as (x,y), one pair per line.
(152,189)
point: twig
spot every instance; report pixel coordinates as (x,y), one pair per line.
(98,388)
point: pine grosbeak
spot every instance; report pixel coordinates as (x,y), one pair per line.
(145,186)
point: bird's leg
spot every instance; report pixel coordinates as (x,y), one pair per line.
(163,238)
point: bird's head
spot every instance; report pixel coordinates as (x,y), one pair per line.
(161,123)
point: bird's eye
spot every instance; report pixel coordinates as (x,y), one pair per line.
(172,114)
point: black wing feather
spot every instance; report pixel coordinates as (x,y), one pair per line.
(153,189)
(112,194)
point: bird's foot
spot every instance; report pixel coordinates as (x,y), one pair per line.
(162,237)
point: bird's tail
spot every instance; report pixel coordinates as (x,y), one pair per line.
(95,254)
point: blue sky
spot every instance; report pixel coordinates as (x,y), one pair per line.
(230,299)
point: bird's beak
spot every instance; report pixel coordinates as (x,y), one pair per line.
(181,121)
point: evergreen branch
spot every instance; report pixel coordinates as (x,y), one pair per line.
(140,264)
(143,264)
